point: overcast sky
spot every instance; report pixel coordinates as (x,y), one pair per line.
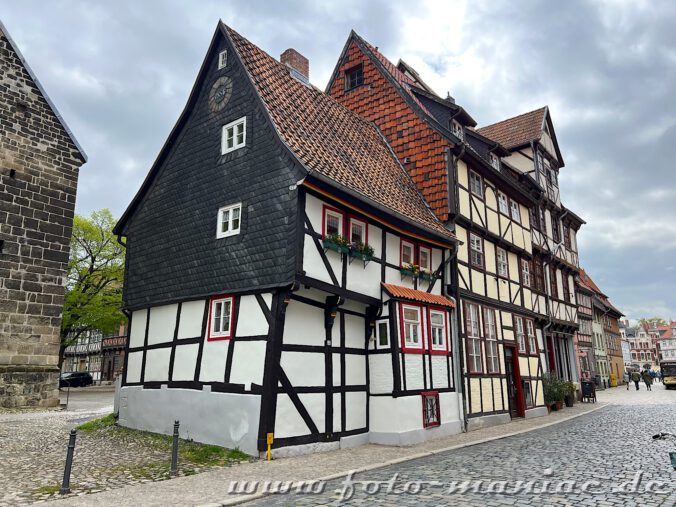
(120,73)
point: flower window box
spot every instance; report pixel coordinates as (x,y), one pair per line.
(412,270)
(336,243)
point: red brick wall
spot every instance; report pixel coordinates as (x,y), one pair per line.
(378,101)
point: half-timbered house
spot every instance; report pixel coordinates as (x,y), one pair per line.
(534,152)
(460,174)
(284,274)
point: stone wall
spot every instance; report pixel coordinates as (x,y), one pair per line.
(39,165)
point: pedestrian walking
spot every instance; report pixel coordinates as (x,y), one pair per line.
(636,378)
(648,380)
(626,379)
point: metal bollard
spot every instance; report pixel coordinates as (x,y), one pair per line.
(65,485)
(174,451)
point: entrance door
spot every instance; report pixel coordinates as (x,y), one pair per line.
(514,387)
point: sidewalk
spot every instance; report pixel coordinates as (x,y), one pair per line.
(211,488)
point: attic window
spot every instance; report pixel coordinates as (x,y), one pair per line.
(229,220)
(354,77)
(456,128)
(234,136)
(495,161)
(222,59)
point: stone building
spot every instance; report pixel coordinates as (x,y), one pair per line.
(39,165)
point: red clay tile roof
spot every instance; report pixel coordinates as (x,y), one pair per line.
(397,291)
(332,140)
(587,282)
(516,131)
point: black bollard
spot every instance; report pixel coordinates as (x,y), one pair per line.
(174,451)
(65,485)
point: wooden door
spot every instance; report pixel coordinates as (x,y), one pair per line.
(517,406)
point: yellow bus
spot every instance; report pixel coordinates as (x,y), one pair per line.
(668,369)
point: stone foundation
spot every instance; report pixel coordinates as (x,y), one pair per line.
(29,386)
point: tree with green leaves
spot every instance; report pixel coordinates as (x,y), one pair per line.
(93,297)
(658,321)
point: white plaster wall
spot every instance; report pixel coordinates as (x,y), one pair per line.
(313,264)
(355,334)
(190,323)
(439,372)
(134,366)
(162,324)
(376,239)
(315,404)
(157,365)
(313,210)
(304,368)
(395,414)
(380,373)
(225,419)
(355,369)
(365,280)
(251,319)
(248,363)
(355,415)
(337,413)
(288,422)
(304,324)
(414,371)
(336,369)
(185,361)
(137,332)
(214,355)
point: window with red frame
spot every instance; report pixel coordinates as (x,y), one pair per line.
(425,258)
(438,331)
(430,407)
(333,222)
(407,252)
(221,318)
(411,328)
(358,231)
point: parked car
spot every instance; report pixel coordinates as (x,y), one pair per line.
(76,379)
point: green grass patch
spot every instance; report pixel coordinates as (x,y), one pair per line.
(97,424)
(49,489)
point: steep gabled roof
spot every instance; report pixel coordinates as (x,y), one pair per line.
(332,141)
(588,283)
(37,83)
(517,131)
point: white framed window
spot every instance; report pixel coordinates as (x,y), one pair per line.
(520,334)
(476,247)
(525,272)
(503,203)
(221,318)
(407,252)
(234,136)
(222,59)
(438,330)
(532,341)
(495,161)
(425,258)
(457,130)
(516,213)
(333,222)
(491,332)
(473,338)
(383,334)
(476,186)
(410,317)
(503,264)
(358,231)
(229,220)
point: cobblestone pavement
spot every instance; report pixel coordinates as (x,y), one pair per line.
(592,460)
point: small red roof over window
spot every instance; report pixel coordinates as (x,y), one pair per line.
(397,291)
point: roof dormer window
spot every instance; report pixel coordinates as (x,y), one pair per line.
(354,77)
(494,160)
(457,130)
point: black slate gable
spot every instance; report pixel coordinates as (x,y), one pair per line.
(170,228)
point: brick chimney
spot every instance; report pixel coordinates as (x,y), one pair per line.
(295,60)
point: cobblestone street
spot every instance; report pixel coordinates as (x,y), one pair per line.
(599,451)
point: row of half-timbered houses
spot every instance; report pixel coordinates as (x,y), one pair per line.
(329,269)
